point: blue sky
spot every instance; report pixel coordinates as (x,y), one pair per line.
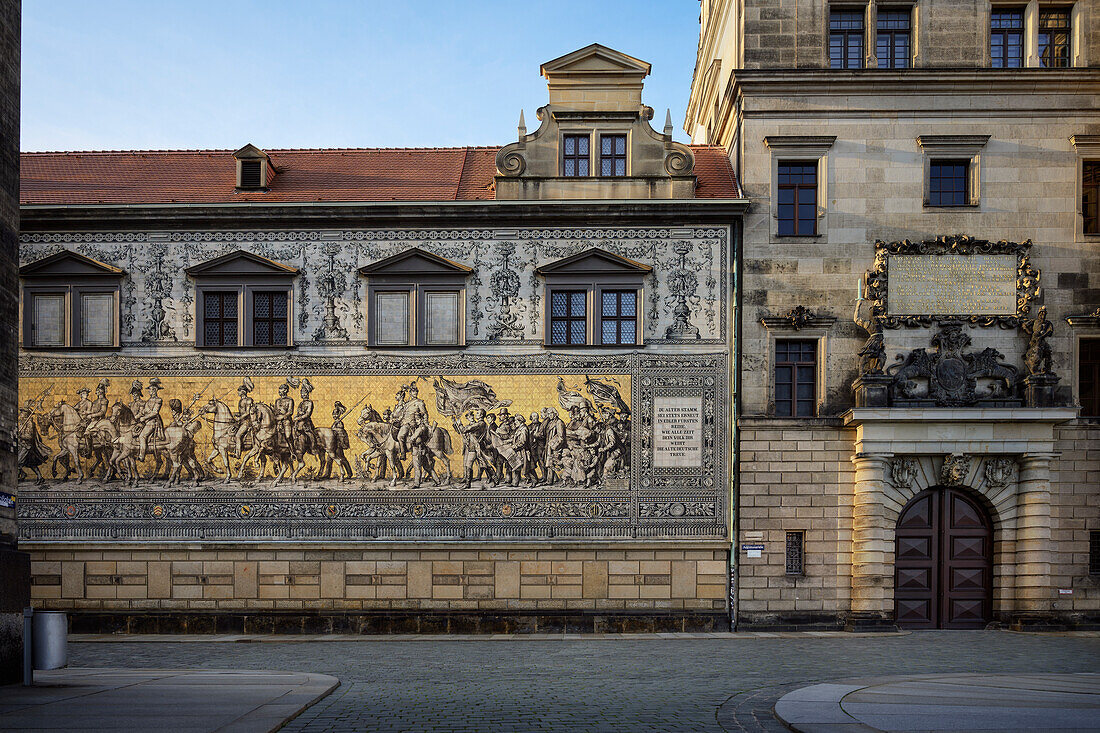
(155,74)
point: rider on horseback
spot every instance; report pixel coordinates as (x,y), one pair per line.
(411,410)
(149,418)
(284,412)
(245,408)
(303,419)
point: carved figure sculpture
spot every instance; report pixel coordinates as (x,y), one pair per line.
(1038,356)
(955,469)
(952,376)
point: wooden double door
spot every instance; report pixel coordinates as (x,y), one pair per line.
(943,576)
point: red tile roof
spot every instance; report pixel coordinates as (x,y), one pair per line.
(208,176)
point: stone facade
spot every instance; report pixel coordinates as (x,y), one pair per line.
(196,497)
(763,90)
(14,566)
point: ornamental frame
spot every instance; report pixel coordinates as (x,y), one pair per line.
(877,280)
(666,503)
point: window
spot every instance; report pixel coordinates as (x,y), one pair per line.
(846,39)
(1090,196)
(795,377)
(416,299)
(1006,38)
(575,155)
(97,319)
(70,301)
(947,182)
(619,319)
(612,155)
(219,318)
(1054,31)
(892,41)
(269,318)
(251,174)
(568,317)
(1089,377)
(49,319)
(796,553)
(797,198)
(1094,553)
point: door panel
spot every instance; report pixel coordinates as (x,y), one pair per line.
(943,562)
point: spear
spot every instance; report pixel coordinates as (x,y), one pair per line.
(198,395)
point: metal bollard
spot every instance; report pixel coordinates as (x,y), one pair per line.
(28,636)
(51,639)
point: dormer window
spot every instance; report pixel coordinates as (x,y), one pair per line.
(254,169)
(70,300)
(612,155)
(575,155)
(416,299)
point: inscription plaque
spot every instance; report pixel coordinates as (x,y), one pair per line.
(677,432)
(952,285)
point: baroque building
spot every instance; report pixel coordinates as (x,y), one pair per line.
(385,389)
(917,429)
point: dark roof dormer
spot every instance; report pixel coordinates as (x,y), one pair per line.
(254,169)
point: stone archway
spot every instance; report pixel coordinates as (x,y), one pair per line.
(943,562)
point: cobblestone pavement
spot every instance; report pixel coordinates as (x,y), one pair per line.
(596,684)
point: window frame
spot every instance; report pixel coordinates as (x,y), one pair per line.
(846,34)
(625,136)
(619,318)
(893,33)
(417,291)
(594,291)
(1005,32)
(245,289)
(815,368)
(1094,342)
(587,136)
(797,188)
(939,148)
(1040,31)
(795,148)
(1095,189)
(799,537)
(72,310)
(940,164)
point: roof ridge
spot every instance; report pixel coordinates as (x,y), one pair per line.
(208,151)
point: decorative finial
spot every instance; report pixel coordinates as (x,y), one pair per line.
(668,121)
(522,125)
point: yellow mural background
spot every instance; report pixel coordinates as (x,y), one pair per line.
(528,392)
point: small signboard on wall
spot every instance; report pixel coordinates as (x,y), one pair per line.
(752,550)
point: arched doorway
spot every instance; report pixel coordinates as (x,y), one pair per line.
(943,564)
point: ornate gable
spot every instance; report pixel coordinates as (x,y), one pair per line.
(415,262)
(68,264)
(241,264)
(595,261)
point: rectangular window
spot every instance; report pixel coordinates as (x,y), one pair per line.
(1006,38)
(795,378)
(619,317)
(797,198)
(796,553)
(1094,553)
(97,319)
(575,155)
(892,41)
(391,319)
(49,320)
(846,39)
(612,155)
(948,182)
(1054,30)
(1090,196)
(441,318)
(219,318)
(568,317)
(1089,377)
(269,324)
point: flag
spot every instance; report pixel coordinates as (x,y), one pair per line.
(605,394)
(453,399)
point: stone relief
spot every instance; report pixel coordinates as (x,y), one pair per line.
(1038,356)
(998,472)
(685,296)
(877,279)
(955,469)
(903,472)
(949,377)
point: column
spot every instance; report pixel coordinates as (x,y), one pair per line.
(872,544)
(1034,549)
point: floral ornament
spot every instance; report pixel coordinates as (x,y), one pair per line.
(682,283)
(504,285)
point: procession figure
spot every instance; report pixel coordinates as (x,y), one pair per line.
(303,420)
(417,438)
(610,446)
(412,410)
(474,435)
(521,441)
(245,407)
(537,431)
(149,419)
(555,443)
(137,398)
(340,441)
(97,413)
(180,439)
(32,451)
(284,413)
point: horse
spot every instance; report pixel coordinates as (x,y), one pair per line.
(127,445)
(66,420)
(381,443)
(268,441)
(328,449)
(439,448)
(224,428)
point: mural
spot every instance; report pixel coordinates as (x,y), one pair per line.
(250,447)
(381,432)
(685,293)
